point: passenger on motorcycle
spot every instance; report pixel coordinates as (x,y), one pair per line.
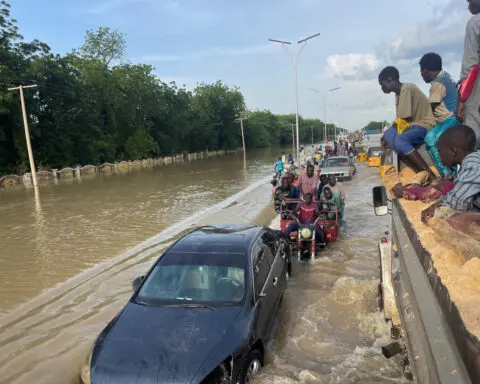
(296,191)
(283,193)
(323,183)
(308,181)
(306,212)
(337,189)
(329,197)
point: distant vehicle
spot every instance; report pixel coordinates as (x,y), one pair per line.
(340,166)
(373,140)
(202,314)
(375,156)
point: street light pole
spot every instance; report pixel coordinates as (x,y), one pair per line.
(325,133)
(293,139)
(295,67)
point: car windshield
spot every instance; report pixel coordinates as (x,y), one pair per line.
(375,152)
(336,162)
(195,278)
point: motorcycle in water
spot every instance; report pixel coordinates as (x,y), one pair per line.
(306,241)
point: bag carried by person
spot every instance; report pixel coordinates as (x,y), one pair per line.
(465,87)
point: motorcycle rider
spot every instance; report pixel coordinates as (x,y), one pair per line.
(307,212)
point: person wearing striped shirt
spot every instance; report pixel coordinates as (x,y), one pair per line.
(457,147)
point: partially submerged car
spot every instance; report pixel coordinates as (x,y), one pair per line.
(202,314)
(340,166)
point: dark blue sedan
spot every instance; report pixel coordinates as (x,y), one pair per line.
(203,313)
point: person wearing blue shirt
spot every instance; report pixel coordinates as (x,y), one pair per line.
(443,100)
(279,168)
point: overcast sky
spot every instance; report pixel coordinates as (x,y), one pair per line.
(192,41)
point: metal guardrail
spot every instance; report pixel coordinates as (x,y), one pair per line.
(440,348)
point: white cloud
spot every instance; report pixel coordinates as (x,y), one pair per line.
(353,66)
(357,72)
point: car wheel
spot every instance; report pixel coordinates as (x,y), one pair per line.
(252,366)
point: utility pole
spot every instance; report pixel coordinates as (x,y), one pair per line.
(27,131)
(284,44)
(293,142)
(243,136)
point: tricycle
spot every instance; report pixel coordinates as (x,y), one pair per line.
(328,220)
(304,239)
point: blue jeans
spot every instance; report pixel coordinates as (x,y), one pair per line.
(431,140)
(405,142)
(319,238)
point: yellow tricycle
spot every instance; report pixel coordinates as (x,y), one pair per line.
(375,156)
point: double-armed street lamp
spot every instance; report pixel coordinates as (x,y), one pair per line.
(324,108)
(302,44)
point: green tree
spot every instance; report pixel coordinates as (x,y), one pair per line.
(104,45)
(140,145)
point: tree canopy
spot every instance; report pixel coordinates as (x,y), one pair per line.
(92,106)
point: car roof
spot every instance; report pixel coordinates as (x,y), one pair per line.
(231,238)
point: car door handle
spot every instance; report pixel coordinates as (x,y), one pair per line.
(275,281)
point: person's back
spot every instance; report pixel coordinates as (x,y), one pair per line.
(412,103)
(444,92)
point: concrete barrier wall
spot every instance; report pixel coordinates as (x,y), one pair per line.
(69,173)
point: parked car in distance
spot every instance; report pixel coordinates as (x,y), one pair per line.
(341,166)
(202,314)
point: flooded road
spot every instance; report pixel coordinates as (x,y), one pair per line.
(327,330)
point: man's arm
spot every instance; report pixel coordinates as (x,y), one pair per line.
(470,50)
(437,93)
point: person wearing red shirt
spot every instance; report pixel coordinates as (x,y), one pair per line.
(307,213)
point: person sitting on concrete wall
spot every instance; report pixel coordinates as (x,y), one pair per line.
(414,119)
(443,99)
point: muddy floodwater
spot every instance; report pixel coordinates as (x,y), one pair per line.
(68,259)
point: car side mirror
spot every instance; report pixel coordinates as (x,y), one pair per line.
(380,201)
(137,282)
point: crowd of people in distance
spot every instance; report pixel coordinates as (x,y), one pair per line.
(447,122)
